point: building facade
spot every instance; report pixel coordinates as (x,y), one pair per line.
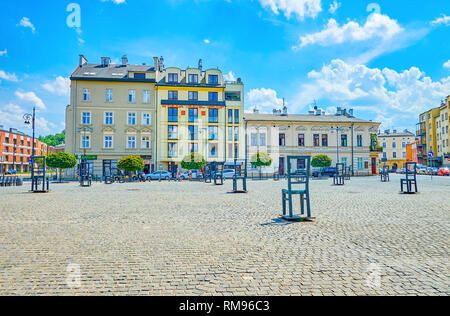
(16,150)
(433,136)
(395,147)
(158,113)
(342,137)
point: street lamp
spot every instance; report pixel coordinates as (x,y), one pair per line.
(337,129)
(30,119)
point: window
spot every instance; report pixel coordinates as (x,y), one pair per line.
(173,95)
(230,116)
(193,148)
(139,75)
(325,140)
(131,118)
(360,163)
(131,142)
(236,134)
(404,155)
(146,96)
(236,116)
(213,96)
(213,150)
(282,140)
(394,155)
(236,151)
(109,118)
(145,143)
(86,142)
(131,96)
(344,140)
(193,132)
(86,118)
(193,115)
(86,95)
(385,155)
(262,139)
(193,95)
(384,145)
(108,142)
(146,119)
(359,141)
(213,79)
(232,96)
(109,95)
(173,78)
(316,139)
(230,133)
(172,151)
(301,140)
(404,143)
(173,115)
(213,115)
(213,133)
(394,145)
(254,139)
(172,132)
(193,78)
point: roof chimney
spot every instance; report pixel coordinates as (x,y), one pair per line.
(124,60)
(200,64)
(106,61)
(82,61)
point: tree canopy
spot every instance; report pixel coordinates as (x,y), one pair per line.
(54,140)
(61,160)
(261,159)
(194,161)
(321,161)
(131,163)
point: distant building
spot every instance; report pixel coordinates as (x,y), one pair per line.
(433,136)
(394,146)
(281,135)
(16,150)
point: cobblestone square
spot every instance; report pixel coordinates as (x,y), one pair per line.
(197,239)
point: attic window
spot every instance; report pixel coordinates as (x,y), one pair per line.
(118,74)
(139,75)
(89,73)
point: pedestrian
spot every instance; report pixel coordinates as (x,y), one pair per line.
(190,175)
(178,174)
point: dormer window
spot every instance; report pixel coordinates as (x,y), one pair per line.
(173,78)
(139,75)
(213,79)
(193,78)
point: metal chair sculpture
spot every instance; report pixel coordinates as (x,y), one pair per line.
(39,180)
(240,173)
(347,173)
(85,177)
(276,175)
(218,174)
(339,177)
(410,180)
(384,174)
(208,173)
(298,184)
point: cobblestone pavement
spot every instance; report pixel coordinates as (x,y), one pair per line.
(197,239)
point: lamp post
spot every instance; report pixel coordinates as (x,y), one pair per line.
(31,119)
(337,129)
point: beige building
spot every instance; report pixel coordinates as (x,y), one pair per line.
(394,146)
(342,137)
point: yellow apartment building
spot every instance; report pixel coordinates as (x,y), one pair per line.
(394,144)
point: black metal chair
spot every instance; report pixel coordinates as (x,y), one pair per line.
(298,184)
(339,177)
(218,174)
(384,174)
(240,173)
(39,180)
(410,180)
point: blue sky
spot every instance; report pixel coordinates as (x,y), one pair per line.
(388,64)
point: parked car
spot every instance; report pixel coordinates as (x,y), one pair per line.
(422,170)
(432,171)
(195,175)
(163,175)
(228,173)
(326,172)
(11,172)
(119,175)
(401,171)
(444,171)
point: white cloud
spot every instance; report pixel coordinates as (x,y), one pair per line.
(11,115)
(25,22)
(377,26)
(447,64)
(4,52)
(442,20)
(60,86)
(230,76)
(207,41)
(115,1)
(31,97)
(334,7)
(264,99)
(394,98)
(299,8)
(8,76)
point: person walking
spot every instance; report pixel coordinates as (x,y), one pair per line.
(178,174)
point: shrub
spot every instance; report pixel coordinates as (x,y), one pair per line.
(131,163)
(321,161)
(261,160)
(61,160)
(194,161)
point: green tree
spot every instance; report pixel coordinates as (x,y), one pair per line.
(321,161)
(194,161)
(261,159)
(54,140)
(131,163)
(61,160)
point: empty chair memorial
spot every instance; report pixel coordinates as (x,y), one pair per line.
(339,176)
(384,174)
(85,177)
(298,185)
(240,175)
(39,179)
(218,173)
(408,185)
